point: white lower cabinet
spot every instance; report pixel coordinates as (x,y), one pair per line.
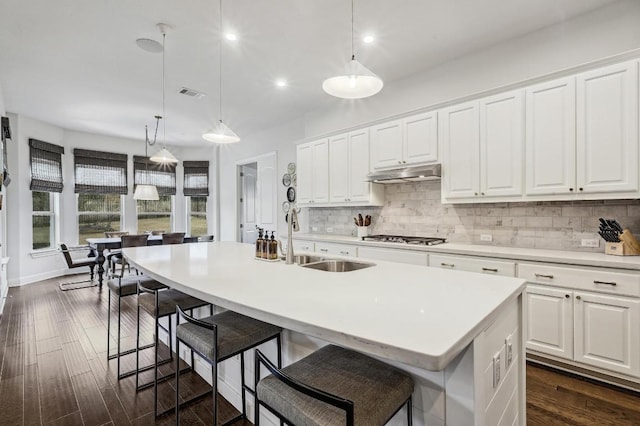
(302,245)
(336,249)
(391,255)
(473,264)
(592,328)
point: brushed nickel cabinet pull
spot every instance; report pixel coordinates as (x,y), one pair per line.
(450,265)
(324,250)
(605,282)
(578,298)
(344,253)
(490,269)
(567,296)
(543,276)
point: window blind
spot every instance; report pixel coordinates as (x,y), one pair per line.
(147,172)
(196,178)
(46,166)
(99,172)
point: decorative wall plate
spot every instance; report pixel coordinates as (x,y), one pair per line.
(285,207)
(294,179)
(291,194)
(291,168)
(286,179)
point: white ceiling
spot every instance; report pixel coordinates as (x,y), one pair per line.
(75,63)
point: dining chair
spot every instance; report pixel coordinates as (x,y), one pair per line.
(173,238)
(118,259)
(78,263)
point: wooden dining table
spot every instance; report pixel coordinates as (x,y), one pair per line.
(99,245)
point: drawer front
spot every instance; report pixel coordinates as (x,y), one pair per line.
(473,264)
(619,283)
(301,245)
(336,249)
(390,255)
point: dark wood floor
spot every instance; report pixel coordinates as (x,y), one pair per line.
(54,372)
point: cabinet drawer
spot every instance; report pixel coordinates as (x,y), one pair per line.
(581,278)
(336,249)
(473,264)
(390,255)
(301,245)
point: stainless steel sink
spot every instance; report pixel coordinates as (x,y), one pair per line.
(337,265)
(303,259)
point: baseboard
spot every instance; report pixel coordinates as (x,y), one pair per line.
(30,279)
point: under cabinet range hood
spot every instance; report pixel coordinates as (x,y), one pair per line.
(408,174)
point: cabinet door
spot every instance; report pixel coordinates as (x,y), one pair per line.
(359,189)
(501,144)
(606,332)
(339,168)
(386,144)
(551,137)
(320,181)
(549,321)
(607,135)
(336,249)
(304,170)
(460,135)
(421,138)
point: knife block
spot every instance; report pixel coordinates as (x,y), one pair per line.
(628,245)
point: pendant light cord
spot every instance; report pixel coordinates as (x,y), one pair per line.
(353,51)
(164,122)
(220,64)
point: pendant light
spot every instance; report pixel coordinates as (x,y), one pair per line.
(145,191)
(221,133)
(357,81)
(163,156)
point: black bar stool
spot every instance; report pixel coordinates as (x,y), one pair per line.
(333,386)
(123,287)
(161,304)
(217,338)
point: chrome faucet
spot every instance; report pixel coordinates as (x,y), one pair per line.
(292,226)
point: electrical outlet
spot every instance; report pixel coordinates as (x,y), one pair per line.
(509,351)
(329,230)
(496,370)
(486,237)
(586,242)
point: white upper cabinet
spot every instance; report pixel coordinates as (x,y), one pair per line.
(313,172)
(501,144)
(550,137)
(483,148)
(607,129)
(349,166)
(386,145)
(460,136)
(409,141)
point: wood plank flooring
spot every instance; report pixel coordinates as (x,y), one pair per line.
(53,371)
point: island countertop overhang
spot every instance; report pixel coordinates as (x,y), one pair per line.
(416,315)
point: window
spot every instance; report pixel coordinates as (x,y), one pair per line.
(98,213)
(196,189)
(43,219)
(197,216)
(46,180)
(100,182)
(155,215)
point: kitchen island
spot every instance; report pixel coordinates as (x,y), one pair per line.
(458,333)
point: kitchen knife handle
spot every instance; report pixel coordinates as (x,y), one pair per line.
(549,276)
(612,283)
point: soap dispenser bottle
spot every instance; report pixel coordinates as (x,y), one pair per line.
(273,247)
(259,242)
(265,245)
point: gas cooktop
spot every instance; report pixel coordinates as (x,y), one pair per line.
(423,241)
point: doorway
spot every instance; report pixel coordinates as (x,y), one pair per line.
(248,178)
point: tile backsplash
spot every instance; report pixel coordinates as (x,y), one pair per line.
(415,209)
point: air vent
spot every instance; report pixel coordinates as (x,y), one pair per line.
(191,92)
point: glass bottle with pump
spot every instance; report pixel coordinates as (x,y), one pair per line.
(273,247)
(259,244)
(265,246)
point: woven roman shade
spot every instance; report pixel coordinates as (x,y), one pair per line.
(99,172)
(196,178)
(46,166)
(147,172)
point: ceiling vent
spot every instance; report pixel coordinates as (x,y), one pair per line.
(191,92)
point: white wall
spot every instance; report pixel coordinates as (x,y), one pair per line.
(24,267)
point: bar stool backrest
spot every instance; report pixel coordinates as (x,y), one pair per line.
(205,238)
(134,240)
(173,238)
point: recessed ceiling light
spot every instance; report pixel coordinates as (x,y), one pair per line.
(368,39)
(281,83)
(231,36)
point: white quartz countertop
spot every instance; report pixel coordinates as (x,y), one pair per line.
(566,257)
(419,316)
